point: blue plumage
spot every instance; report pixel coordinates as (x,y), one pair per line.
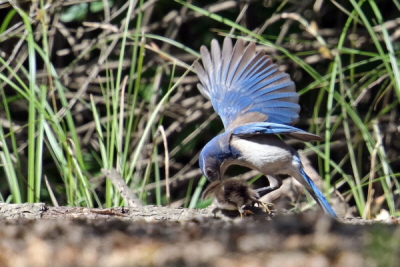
(240,80)
(315,193)
(265,128)
(256,101)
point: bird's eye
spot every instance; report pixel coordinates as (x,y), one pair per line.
(209,173)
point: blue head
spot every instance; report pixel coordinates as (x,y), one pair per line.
(216,156)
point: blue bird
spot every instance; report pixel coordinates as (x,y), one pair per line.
(256,102)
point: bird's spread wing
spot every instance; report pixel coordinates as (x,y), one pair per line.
(258,128)
(244,86)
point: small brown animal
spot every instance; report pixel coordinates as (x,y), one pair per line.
(233,194)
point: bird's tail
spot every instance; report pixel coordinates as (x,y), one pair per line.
(316,194)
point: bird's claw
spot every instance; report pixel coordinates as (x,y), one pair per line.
(269,207)
(245,213)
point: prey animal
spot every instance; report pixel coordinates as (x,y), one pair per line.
(256,102)
(233,195)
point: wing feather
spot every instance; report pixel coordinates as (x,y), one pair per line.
(244,86)
(260,128)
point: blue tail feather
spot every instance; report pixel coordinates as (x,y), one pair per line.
(317,195)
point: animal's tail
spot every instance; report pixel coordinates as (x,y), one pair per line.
(316,194)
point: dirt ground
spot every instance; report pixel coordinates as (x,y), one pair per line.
(37,235)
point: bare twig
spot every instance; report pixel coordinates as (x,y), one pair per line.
(130,198)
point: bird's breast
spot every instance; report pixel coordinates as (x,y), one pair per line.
(267,153)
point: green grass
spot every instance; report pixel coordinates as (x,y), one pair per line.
(129,108)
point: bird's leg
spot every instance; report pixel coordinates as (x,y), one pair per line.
(274,183)
(241,211)
(265,190)
(215,211)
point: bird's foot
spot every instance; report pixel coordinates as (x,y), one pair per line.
(245,213)
(269,207)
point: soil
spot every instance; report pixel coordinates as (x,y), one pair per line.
(37,235)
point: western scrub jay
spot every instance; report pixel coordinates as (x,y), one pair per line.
(256,102)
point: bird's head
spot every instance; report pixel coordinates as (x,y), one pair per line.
(216,157)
